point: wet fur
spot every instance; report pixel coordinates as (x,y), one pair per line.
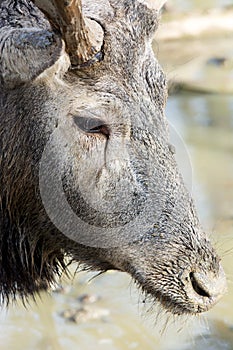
(129,83)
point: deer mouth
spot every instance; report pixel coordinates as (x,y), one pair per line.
(194,293)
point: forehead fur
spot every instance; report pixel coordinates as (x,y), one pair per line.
(153,4)
(140,14)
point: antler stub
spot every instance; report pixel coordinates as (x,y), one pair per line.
(83,37)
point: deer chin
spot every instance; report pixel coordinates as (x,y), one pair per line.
(189,296)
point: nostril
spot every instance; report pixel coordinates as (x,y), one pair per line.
(204,287)
(197,286)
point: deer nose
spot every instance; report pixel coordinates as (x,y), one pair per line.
(204,289)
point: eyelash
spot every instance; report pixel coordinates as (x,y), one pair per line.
(92,125)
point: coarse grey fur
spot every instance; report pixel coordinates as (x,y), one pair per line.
(172,260)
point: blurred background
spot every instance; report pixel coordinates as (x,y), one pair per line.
(195,47)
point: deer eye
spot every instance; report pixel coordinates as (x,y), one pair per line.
(92,125)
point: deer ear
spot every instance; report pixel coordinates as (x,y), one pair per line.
(25,53)
(153,4)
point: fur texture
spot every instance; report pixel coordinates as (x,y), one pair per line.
(167,253)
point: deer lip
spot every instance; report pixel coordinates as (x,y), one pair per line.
(199,292)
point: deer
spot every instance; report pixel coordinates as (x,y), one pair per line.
(87,171)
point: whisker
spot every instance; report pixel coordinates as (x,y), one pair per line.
(95,276)
(165,326)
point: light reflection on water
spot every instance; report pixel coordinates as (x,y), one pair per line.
(206,124)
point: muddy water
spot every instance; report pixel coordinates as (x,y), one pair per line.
(111,316)
(184,5)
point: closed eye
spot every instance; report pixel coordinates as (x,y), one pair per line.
(92,125)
